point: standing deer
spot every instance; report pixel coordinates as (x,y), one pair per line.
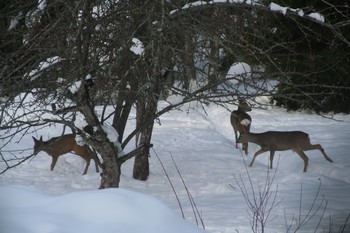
(241,121)
(57,146)
(272,141)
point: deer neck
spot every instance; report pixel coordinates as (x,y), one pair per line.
(240,109)
(254,138)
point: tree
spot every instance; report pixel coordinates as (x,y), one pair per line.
(316,61)
(65,59)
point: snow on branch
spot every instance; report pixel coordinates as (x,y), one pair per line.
(273,7)
(43,66)
(138,48)
(15,21)
(317,17)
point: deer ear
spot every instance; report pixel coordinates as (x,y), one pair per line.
(41,138)
(35,140)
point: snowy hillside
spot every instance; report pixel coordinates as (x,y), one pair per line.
(203,148)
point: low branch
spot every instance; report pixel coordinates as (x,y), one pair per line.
(8,167)
(133,153)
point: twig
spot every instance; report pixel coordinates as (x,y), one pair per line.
(8,167)
(192,202)
(346,222)
(171,184)
(260,202)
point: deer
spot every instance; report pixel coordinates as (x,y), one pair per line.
(57,146)
(272,141)
(241,121)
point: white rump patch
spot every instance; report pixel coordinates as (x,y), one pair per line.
(245,122)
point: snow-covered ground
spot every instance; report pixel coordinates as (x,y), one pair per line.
(202,146)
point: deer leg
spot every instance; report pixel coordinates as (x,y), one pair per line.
(246,144)
(272,155)
(96,166)
(304,157)
(255,155)
(244,130)
(93,155)
(319,147)
(53,162)
(87,166)
(236,137)
(245,147)
(96,160)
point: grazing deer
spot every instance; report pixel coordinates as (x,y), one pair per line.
(272,141)
(241,121)
(58,146)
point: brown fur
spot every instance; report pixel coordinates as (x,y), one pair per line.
(58,146)
(272,141)
(241,122)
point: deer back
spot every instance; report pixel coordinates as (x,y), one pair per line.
(83,151)
(55,146)
(278,140)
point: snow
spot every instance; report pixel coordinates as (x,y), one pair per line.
(272,7)
(98,27)
(34,74)
(74,88)
(300,12)
(42,5)
(28,210)
(14,22)
(80,121)
(239,78)
(201,142)
(201,3)
(239,68)
(316,16)
(137,47)
(275,7)
(112,136)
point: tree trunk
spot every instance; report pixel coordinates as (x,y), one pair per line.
(141,165)
(126,95)
(188,61)
(121,115)
(213,74)
(110,176)
(146,109)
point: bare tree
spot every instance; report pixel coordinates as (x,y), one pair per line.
(75,55)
